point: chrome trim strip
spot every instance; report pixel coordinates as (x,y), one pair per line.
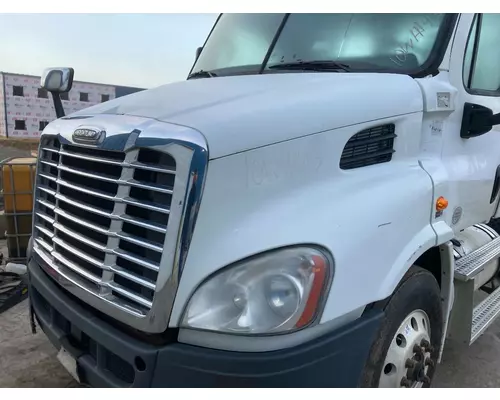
(146,205)
(90,158)
(140,242)
(93,210)
(81,238)
(148,225)
(142,262)
(81,222)
(94,192)
(81,254)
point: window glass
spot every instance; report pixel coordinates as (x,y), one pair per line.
(42,94)
(239,39)
(18,91)
(20,125)
(365,41)
(486,71)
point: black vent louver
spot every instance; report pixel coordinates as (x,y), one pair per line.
(369,147)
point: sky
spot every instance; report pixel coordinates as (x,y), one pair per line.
(140,50)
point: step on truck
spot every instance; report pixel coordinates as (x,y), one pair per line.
(316,205)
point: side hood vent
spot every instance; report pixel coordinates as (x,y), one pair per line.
(369,147)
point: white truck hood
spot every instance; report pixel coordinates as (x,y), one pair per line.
(245,112)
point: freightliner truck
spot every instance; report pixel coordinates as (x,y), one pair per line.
(316,205)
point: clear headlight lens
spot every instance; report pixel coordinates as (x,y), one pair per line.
(276,292)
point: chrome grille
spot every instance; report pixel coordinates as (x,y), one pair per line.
(101,218)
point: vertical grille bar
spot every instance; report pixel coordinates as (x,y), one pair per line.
(117,224)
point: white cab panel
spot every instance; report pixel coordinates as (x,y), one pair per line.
(375,220)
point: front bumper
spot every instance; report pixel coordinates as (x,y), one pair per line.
(108,357)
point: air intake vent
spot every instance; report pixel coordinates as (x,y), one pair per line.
(369,147)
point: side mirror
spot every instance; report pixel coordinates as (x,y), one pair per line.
(477,120)
(57,80)
(198,52)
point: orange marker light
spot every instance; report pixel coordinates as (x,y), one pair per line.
(320,275)
(441,203)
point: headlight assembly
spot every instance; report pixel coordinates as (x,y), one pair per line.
(277,292)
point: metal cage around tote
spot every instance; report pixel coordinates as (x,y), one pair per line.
(17,180)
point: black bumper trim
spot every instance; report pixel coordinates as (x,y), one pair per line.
(336,359)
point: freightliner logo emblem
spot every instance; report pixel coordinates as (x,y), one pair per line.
(89,135)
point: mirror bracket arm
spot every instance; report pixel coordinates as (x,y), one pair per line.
(495,119)
(56,97)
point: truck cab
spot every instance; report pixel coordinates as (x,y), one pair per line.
(314,206)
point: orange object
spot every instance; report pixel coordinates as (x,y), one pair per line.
(314,298)
(18,176)
(441,203)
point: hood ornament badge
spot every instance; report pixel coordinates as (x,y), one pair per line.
(89,135)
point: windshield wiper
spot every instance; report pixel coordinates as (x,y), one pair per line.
(318,65)
(202,74)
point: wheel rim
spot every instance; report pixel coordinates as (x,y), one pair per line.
(408,358)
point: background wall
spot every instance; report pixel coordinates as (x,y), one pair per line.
(29,108)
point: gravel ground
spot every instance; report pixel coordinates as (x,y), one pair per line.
(28,360)
(6,152)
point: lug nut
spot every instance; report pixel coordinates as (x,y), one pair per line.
(426,380)
(405,382)
(417,349)
(409,363)
(425,343)
(429,362)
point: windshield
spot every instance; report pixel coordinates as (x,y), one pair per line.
(255,43)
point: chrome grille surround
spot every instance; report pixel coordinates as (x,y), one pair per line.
(94,233)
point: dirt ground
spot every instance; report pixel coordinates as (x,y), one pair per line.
(28,360)
(6,152)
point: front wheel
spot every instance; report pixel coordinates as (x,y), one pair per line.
(406,349)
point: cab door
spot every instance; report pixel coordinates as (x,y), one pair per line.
(471,163)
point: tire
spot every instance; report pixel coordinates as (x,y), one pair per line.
(418,290)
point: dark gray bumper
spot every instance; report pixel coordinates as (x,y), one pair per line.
(108,357)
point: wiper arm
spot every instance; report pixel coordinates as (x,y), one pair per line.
(202,74)
(318,65)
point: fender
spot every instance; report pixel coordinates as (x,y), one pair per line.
(294,193)
(418,245)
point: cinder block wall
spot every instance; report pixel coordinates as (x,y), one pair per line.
(26,102)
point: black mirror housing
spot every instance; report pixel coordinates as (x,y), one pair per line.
(476,121)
